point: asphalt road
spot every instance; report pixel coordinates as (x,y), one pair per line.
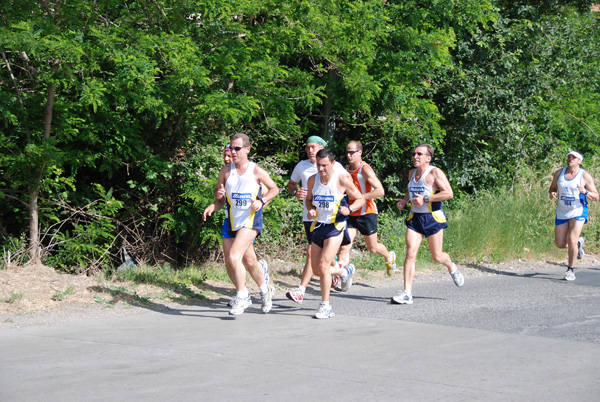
(507,335)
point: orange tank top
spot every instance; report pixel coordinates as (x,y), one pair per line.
(364,187)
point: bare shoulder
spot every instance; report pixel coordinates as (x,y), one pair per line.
(368,170)
(345,178)
(260,172)
(345,181)
(224,172)
(587,176)
(438,173)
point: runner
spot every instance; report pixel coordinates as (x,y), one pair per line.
(300,175)
(573,187)
(250,258)
(329,210)
(364,220)
(240,184)
(427,188)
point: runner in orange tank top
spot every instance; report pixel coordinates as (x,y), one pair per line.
(364,219)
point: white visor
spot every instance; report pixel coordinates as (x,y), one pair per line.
(576,154)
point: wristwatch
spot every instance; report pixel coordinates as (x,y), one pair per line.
(263,201)
(350,209)
(426,198)
(294,192)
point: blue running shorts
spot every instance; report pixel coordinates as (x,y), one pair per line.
(428,223)
(324,231)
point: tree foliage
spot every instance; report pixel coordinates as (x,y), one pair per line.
(114,114)
(522,89)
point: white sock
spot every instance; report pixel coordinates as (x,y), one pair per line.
(264,289)
(302,289)
(325,303)
(344,273)
(242,294)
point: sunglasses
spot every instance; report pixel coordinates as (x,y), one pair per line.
(420,154)
(237,149)
(351,152)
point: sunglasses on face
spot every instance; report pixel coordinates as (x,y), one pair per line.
(237,149)
(351,152)
(420,154)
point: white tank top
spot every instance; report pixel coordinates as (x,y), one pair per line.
(240,191)
(327,199)
(420,187)
(571,202)
(303,171)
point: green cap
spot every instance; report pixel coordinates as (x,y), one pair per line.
(315,139)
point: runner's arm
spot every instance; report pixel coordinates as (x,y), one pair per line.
(377,188)
(443,185)
(589,187)
(347,185)
(312,213)
(264,178)
(219,191)
(554,185)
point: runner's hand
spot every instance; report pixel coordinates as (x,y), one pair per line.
(301,193)
(220,192)
(208,211)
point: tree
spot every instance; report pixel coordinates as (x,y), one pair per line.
(522,88)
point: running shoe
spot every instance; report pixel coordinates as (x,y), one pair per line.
(402,298)
(230,304)
(239,305)
(324,312)
(336,283)
(295,295)
(264,266)
(347,281)
(391,265)
(569,275)
(457,277)
(267,300)
(580,252)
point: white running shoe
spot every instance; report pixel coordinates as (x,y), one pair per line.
(457,277)
(569,275)
(391,265)
(324,312)
(267,300)
(230,304)
(239,305)
(336,282)
(347,281)
(580,252)
(264,266)
(295,295)
(402,298)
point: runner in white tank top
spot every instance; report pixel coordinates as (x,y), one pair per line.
(573,187)
(427,188)
(327,200)
(571,202)
(297,186)
(243,205)
(327,209)
(240,190)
